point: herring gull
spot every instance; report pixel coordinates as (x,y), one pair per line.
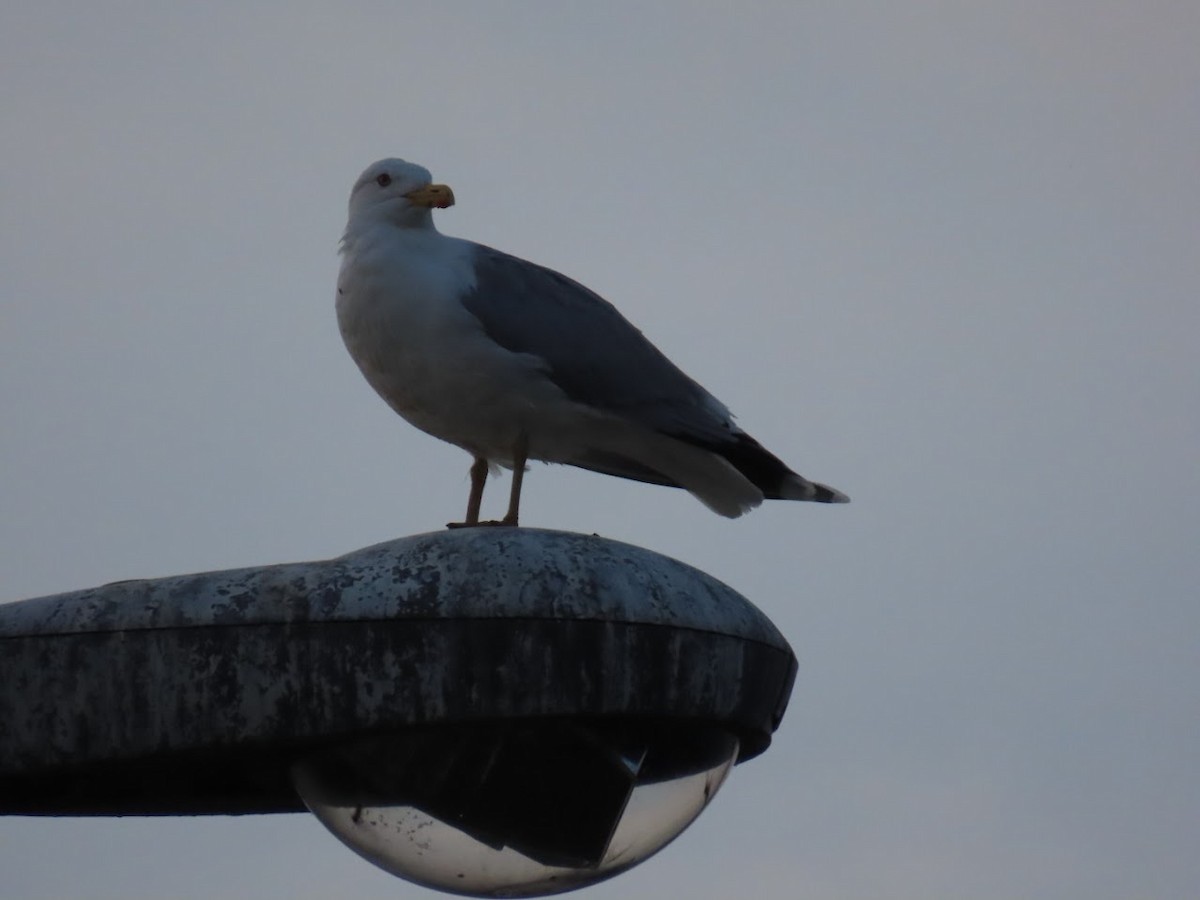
(513,362)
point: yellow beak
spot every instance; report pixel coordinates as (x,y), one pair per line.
(437,196)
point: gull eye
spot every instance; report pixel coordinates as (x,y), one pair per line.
(383,180)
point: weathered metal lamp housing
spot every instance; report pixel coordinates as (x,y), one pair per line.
(491,711)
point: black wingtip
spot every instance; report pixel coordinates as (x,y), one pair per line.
(822,493)
(769,473)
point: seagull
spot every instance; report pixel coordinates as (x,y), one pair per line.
(514,362)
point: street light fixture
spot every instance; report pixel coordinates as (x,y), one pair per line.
(490,711)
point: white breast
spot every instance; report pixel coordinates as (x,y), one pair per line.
(402,320)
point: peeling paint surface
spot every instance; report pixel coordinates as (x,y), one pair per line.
(477,572)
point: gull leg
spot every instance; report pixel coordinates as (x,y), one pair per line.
(479,474)
(520,457)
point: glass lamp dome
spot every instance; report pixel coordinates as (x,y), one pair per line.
(516,809)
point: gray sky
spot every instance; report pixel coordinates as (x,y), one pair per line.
(940,255)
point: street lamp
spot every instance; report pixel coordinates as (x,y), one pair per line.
(489,711)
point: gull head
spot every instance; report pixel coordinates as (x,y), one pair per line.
(398,192)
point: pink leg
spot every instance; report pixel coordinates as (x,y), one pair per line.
(520,457)
(479,473)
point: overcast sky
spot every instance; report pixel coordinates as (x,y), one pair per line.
(940,255)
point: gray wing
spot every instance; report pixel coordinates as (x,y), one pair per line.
(590,350)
